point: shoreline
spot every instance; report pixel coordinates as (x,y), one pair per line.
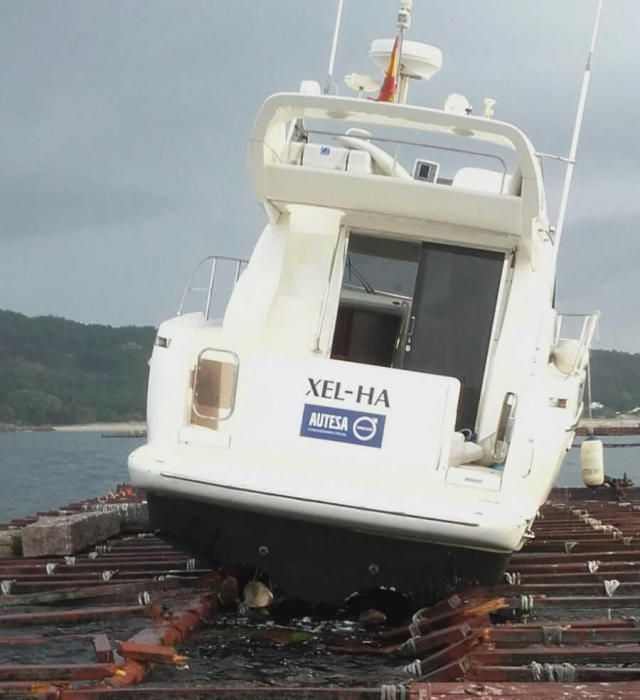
(624,422)
(117,427)
(130,426)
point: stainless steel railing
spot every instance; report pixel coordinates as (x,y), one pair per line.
(214,262)
(587,325)
(504,169)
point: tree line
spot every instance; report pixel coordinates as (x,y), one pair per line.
(54,371)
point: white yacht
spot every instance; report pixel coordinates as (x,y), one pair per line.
(387,398)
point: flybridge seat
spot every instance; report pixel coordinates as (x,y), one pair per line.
(488,181)
(360,157)
(341,173)
(375,161)
(315,155)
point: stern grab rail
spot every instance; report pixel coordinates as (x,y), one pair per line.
(588,329)
(213,261)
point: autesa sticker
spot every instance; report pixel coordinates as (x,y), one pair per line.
(342,425)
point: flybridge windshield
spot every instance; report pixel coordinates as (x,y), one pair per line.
(421,306)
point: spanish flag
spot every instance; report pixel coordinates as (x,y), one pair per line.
(388,89)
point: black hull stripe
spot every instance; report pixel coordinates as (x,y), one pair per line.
(317,502)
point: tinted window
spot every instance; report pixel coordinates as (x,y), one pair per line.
(453,309)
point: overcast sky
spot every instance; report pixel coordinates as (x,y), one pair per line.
(123,130)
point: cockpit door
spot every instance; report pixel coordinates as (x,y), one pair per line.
(452,317)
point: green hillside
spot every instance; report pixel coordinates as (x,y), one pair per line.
(615,379)
(54,371)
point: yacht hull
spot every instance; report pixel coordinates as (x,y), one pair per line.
(321,562)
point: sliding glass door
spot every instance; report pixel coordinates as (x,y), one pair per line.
(452,316)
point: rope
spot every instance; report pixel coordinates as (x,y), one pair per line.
(611,586)
(419,615)
(553,673)
(536,672)
(526,604)
(589,390)
(414,668)
(513,578)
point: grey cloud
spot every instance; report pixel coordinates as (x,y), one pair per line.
(124,123)
(37,203)
(598,270)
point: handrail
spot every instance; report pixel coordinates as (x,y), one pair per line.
(587,331)
(422,144)
(209,289)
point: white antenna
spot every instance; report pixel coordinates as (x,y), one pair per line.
(334,46)
(403,23)
(571,163)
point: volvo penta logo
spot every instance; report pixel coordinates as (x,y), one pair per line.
(342,425)
(365,428)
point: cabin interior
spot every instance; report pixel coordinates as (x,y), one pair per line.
(420,306)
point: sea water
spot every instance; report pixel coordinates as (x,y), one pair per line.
(621,454)
(43,470)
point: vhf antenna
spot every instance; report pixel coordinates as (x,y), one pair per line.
(403,23)
(571,160)
(334,45)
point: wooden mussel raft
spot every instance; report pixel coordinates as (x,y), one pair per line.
(129,617)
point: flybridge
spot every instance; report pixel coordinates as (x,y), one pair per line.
(403,61)
(344,154)
(506,205)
